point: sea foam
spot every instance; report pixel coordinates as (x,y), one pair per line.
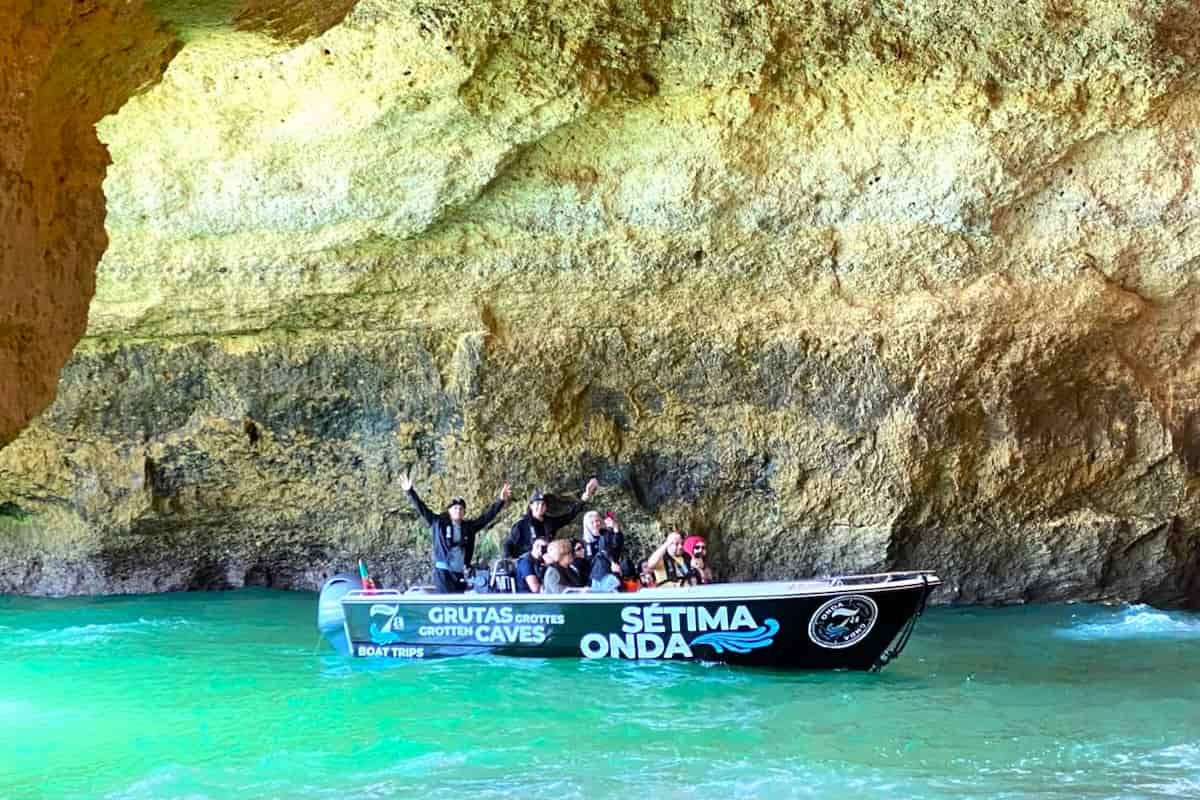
(87,634)
(1139,622)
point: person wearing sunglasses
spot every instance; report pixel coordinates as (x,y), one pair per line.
(697,550)
(558,576)
(580,565)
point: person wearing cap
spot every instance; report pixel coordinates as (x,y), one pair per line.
(453,535)
(537,523)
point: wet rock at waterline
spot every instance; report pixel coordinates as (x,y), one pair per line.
(842,287)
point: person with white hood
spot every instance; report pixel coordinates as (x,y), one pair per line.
(604,546)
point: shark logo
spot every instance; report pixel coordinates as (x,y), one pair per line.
(386,633)
(843,621)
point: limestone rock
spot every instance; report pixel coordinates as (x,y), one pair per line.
(843,286)
(64,64)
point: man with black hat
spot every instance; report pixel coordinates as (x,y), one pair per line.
(453,536)
(537,524)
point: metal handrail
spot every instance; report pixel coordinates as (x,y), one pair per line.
(877,577)
(374,593)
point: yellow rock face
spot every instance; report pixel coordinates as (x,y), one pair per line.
(842,286)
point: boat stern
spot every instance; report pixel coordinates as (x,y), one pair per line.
(331,617)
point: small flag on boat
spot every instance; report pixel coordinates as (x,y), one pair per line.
(367,583)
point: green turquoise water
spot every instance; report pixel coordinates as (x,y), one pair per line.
(228,695)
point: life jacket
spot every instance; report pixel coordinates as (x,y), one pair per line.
(674,570)
(444,556)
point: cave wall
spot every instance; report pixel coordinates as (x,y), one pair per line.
(843,286)
(63,66)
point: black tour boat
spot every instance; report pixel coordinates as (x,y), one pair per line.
(851,622)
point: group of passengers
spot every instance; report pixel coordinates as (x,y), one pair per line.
(539,562)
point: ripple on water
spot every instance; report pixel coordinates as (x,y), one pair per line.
(73,635)
(1138,621)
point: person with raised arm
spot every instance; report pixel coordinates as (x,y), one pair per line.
(536,523)
(670,564)
(607,550)
(453,535)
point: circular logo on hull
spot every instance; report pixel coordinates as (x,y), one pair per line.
(843,621)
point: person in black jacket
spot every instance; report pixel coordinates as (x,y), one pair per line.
(536,523)
(453,535)
(606,551)
(612,540)
(580,564)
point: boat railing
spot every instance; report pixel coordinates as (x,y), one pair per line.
(875,577)
(379,593)
(868,579)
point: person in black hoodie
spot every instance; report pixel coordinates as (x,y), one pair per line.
(453,535)
(580,564)
(536,523)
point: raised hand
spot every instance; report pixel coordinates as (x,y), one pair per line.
(405,481)
(506,493)
(589,491)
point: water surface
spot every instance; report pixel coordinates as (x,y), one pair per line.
(229,695)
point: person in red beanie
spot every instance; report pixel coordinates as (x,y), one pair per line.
(697,551)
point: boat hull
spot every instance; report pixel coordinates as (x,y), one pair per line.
(798,625)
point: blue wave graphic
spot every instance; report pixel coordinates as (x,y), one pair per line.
(740,641)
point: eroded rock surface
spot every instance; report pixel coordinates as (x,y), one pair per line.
(64,64)
(847,286)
